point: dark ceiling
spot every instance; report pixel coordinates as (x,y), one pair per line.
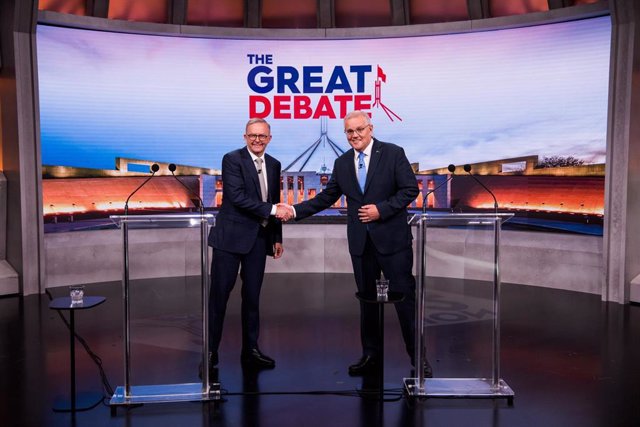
(303,13)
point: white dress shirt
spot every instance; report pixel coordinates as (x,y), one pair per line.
(264,172)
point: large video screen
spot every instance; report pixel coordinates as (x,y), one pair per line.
(459,98)
(481,98)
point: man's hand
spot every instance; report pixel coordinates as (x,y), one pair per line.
(284,212)
(278,250)
(368,213)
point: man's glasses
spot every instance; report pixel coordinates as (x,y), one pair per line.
(359,131)
(261,137)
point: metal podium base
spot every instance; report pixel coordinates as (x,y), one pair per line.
(459,387)
(162,393)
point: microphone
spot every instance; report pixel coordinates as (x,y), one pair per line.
(154,168)
(172,169)
(467,169)
(451,169)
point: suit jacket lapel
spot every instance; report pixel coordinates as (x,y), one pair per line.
(376,153)
(352,169)
(250,166)
(271,176)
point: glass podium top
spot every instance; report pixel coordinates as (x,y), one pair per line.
(451,218)
(162,220)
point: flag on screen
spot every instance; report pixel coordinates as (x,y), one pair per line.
(381,75)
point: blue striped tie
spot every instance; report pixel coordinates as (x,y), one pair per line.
(362,171)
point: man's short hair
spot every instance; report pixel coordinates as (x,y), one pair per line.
(257,120)
(358,113)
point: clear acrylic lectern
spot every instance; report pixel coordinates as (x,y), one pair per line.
(460,251)
(152,263)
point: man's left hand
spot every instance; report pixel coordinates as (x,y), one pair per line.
(278,250)
(368,213)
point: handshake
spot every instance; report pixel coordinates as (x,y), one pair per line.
(284,212)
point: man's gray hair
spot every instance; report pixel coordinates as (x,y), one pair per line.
(358,113)
(256,120)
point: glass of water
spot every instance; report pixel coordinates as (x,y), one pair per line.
(76,292)
(382,288)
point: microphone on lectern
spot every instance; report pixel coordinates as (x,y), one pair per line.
(154,168)
(467,169)
(452,170)
(172,169)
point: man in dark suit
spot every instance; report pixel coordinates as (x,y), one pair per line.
(246,231)
(378,181)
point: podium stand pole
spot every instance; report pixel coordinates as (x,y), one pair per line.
(420,339)
(496,304)
(126,310)
(204,284)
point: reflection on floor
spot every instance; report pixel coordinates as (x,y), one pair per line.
(571,359)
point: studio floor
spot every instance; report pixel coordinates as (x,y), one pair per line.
(571,359)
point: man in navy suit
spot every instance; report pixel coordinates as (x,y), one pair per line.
(246,231)
(378,181)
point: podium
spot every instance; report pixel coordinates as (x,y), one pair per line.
(481,231)
(130,394)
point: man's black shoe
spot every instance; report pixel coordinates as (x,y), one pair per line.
(364,365)
(213,362)
(256,358)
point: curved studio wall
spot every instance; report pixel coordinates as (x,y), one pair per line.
(448,93)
